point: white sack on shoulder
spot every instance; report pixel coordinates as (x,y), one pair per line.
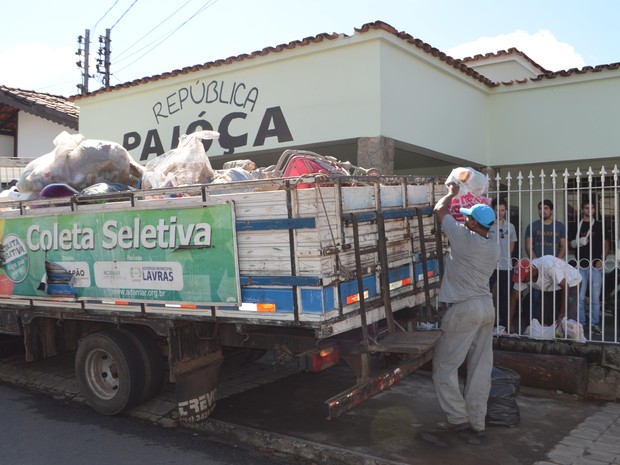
(468,180)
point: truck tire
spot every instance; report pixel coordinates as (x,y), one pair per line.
(109,371)
(152,361)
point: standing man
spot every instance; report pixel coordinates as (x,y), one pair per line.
(468,323)
(591,249)
(503,232)
(544,237)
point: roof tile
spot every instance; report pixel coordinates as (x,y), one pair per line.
(54,108)
(458,64)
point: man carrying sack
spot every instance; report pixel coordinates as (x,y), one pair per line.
(468,323)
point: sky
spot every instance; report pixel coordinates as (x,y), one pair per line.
(39,40)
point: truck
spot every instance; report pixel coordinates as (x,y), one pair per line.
(145,285)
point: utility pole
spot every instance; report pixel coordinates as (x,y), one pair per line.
(83,61)
(103,63)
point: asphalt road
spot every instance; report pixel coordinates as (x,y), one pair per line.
(38,430)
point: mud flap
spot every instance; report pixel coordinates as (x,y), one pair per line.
(196,390)
(195,361)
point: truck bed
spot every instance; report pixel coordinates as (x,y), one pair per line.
(296,257)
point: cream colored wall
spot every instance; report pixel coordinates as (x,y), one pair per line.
(323,93)
(411,111)
(36,135)
(6,146)
(559,121)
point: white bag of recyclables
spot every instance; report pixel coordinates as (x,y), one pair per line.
(185,165)
(572,329)
(472,186)
(536,330)
(468,180)
(12,194)
(79,163)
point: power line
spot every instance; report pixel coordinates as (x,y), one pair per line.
(104,15)
(132,45)
(168,35)
(130,6)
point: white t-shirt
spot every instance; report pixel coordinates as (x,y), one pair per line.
(503,234)
(551,271)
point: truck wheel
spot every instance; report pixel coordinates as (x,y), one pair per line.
(109,371)
(152,361)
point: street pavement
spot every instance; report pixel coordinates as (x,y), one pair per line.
(273,407)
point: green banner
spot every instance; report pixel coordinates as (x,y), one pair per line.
(173,255)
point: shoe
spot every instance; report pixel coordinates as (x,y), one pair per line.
(474,437)
(445,426)
(596,329)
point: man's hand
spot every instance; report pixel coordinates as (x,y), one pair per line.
(453,189)
(442,207)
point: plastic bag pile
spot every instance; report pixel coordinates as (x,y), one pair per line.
(89,167)
(79,163)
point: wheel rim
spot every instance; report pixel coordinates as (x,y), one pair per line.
(102,374)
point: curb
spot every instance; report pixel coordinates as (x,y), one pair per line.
(290,446)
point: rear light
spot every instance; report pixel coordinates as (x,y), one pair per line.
(321,359)
(351,299)
(429,274)
(270,308)
(266,308)
(400,283)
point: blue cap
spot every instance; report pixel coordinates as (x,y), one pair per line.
(482,213)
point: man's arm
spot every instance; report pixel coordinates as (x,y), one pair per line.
(563,302)
(599,264)
(514,300)
(606,247)
(442,206)
(528,248)
(562,251)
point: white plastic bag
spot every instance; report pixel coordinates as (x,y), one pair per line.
(186,165)
(571,329)
(472,186)
(468,180)
(80,163)
(12,194)
(538,331)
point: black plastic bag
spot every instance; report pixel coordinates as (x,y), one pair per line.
(502,407)
(105,188)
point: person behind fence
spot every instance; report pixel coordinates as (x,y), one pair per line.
(468,323)
(591,248)
(504,233)
(556,279)
(544,237)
